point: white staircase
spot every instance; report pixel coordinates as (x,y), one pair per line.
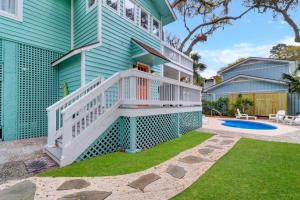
(77,120)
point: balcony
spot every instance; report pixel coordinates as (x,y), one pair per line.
(180,61)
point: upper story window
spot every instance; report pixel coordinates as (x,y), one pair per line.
(114,4)
(11,8)
(156,27)
(144,20)
(90,4)
(129,10)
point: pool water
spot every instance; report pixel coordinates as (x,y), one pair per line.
(248,125)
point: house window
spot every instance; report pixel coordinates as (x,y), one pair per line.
(90,4)
(114,4)
(144,20)
(155,27)
(130,10)
(11,8)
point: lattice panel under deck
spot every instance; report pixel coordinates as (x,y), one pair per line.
(153,130)
(125,136)
(1,80)
(37,89)
(189,121)
(108,142)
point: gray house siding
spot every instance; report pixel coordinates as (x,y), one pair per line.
(270,70)
(252,86)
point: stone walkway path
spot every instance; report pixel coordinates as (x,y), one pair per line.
(160,182)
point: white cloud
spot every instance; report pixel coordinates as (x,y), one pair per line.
(208,73)
(221,57)
(282,22)
(289,40)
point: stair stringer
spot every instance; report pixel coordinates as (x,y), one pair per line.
(73,150)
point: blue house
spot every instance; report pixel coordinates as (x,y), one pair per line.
(94,76)
(259,79)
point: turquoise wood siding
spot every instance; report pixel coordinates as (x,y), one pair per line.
(46,24)
(1,80)
(116,51)
(271,70)
(249,87)
(69,73)
(85,24)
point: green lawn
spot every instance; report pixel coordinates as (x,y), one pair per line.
(124,163)
(251,170)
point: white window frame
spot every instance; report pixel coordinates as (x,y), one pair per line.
(88,9)
(19,12)
(112,9)
(149,20)
(159,28)
(135,13)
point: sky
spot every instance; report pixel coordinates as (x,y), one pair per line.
(252,36)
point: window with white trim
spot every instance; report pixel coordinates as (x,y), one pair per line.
(114,4)
(90,4)
(144,20)
(155,27)
(129,10)
(11,8)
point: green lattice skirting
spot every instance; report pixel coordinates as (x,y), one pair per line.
(151,130)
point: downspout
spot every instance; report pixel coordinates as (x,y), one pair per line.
(72,24)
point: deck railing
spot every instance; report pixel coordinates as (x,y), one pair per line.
(177,57)
(128,88)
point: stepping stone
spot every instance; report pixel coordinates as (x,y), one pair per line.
(213,140)
(14,169)
(20,191)
(226,142)
(40,164)
(87,195)
(74,184)
(143,181)
(213,147)
(205,151)
(193,159)
(176,171)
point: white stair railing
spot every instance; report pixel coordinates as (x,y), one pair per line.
(55,122)
(82,117)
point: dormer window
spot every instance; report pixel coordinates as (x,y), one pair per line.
(90,4)
(144,20)
(130,10)
(156,27)
(11,8)
(114,4)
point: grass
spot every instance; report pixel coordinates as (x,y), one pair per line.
(251,170)
(123,163)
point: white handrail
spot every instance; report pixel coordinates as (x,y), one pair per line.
(131,87)
(55,111)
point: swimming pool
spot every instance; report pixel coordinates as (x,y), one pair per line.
(248,125)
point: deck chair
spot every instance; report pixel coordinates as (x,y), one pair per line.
(246,116)
(292,120)
(278,117)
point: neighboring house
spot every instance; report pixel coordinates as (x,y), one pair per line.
(108,56)
(209,83)
(259,79)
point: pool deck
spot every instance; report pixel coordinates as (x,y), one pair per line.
(283,133)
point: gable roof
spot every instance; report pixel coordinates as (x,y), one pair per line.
(165,9)
(253,58)
(248,77)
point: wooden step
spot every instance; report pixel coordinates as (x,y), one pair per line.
(54,152)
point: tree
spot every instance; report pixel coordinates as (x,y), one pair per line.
(243,104)
(197,68)
(293,80)
(278,7)
(285,52)
(212,15)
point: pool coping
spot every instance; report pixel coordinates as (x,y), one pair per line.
(216,124)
